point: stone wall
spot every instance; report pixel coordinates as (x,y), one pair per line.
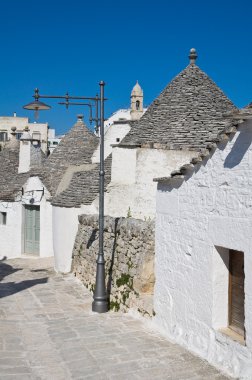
(129,255)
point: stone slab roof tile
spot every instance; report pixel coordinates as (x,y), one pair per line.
(10,181)
(76,148)
(187,113)
(83,187)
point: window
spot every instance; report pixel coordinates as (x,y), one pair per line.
(18,135)
(3,218)
(236,292)
(228,293)
(3,136)
(118,139)
(36,136)
(138,105)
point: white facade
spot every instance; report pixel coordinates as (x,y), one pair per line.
(198,222)
(65,226)
(53,141)
(12,233)
(38,131)
(132,188)
(113,135)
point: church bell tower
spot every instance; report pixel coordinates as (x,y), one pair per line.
(136,102)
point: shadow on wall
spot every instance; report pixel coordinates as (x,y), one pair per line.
(110,271)
(10,288)
(239,149)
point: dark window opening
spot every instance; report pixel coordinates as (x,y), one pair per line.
(18,135)
(117,139)
(3,136)
(3,218)
(137,105)
(236,292)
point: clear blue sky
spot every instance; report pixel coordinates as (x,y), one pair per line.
(61,46)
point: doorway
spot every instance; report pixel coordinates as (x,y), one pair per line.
(31,229)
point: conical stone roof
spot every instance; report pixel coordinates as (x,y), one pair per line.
(186,115)
(75,149)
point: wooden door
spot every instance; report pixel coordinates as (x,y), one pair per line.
(236,292)
(32,230)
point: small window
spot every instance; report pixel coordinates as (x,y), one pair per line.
(36,136)
(55,143)
(236,292)
(3,136)
(3,218)
(18,135)
(118,139)
(138,105)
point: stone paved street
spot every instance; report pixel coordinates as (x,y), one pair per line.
(47,331)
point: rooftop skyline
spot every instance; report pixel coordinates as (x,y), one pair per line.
(62,46)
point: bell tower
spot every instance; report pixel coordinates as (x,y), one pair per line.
(136,102)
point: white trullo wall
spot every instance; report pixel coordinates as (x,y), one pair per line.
(12,234)
(197,222)
(35,189)
(114,134)
(132,186)
(65,226)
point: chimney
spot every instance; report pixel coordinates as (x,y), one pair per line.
(25,152)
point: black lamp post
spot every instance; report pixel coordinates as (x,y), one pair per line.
(100,302)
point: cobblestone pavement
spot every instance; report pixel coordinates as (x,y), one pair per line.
(47,331)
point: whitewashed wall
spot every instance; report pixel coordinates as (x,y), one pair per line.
(65,226)
(197,221)
(132,183)
(34,189)
(10,234)
(114,132)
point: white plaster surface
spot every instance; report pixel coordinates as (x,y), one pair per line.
(132,183)
(34,189)
(24,157)
(197,221)
(114,132)
(10,234)
(65,226)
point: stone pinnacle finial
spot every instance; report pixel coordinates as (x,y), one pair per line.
(80,118)
(193,56)
(13,132)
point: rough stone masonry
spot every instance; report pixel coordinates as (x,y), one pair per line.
(129,254)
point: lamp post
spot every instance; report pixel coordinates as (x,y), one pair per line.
(100,298)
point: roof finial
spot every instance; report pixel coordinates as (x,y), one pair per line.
(79,118)
(193,56)
(13,131)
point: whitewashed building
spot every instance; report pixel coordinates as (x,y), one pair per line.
(162,140)
(25,210)
(41,197)
(203,290)
(38,131)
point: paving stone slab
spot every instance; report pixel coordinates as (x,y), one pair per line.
(48,332)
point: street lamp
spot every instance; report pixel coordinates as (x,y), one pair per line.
(100,302)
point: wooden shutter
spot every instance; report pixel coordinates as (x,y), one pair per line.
(236,291)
